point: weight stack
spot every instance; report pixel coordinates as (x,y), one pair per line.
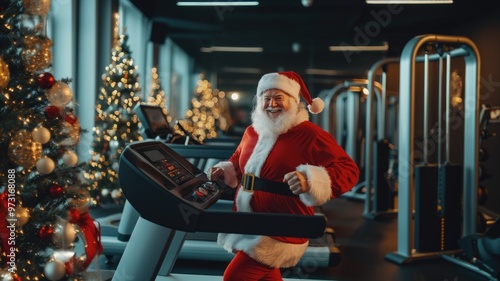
(384,197)
(438,207)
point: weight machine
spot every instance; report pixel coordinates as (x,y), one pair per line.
(431,214)
(381,145)
(342,117)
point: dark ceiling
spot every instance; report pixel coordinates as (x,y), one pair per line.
(296,37)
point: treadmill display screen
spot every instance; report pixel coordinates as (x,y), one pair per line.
(156,119)
(168,166)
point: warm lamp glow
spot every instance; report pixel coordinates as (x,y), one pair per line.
(235,96)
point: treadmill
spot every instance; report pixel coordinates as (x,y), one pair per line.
(117,228)
(152,175)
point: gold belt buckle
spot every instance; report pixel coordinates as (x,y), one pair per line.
(248,180)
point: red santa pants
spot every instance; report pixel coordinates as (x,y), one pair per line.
(243,267)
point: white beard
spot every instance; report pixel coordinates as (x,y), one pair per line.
(273,127)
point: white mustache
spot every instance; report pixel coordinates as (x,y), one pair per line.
(273,109)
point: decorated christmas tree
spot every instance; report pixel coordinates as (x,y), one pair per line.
(116,124)
(208,115)
(156,93)
(46,232)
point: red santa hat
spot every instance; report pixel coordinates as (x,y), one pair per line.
(292,84)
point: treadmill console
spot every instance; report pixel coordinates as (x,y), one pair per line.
(175,178)
(179,175)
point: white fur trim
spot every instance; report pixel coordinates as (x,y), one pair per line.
(253,166)
(259,154)
(230,178)
(316,106)
(233,242)
(243,199)
(264,249)
(319,182)
(274,253)
(281,82)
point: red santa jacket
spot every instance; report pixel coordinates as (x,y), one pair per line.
(305,148)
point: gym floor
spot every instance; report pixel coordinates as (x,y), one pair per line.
(363,243)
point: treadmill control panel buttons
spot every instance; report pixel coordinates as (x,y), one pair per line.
(203,193)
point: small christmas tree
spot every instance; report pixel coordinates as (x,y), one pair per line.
(46,232)
(116,124)
(209,113)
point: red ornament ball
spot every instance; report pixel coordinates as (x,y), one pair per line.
(74,215)
(56,190)
(71,118)
(46,231)
(52,111)
(46,80)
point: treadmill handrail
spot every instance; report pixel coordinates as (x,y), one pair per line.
(204,151)
(272,224)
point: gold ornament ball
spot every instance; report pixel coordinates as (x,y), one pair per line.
(45,165)
(64,233)
(23,151)
(4,74)
(37,54)
(36,7)
(70,158)
(55,270)
(60,94)
(41,134)
(22,215)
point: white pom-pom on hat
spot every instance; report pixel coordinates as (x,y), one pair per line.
(292,84)
(316,106)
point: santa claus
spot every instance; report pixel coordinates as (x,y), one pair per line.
(283,164)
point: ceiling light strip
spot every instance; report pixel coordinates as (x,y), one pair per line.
(409,1)
(358,48)
(246,70)
(217,3)
(232,49)
(326,72)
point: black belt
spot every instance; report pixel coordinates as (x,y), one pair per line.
(250,182)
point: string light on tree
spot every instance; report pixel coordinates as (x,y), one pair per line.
(156,93)
(116,124)
(4,74)
(209,112)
